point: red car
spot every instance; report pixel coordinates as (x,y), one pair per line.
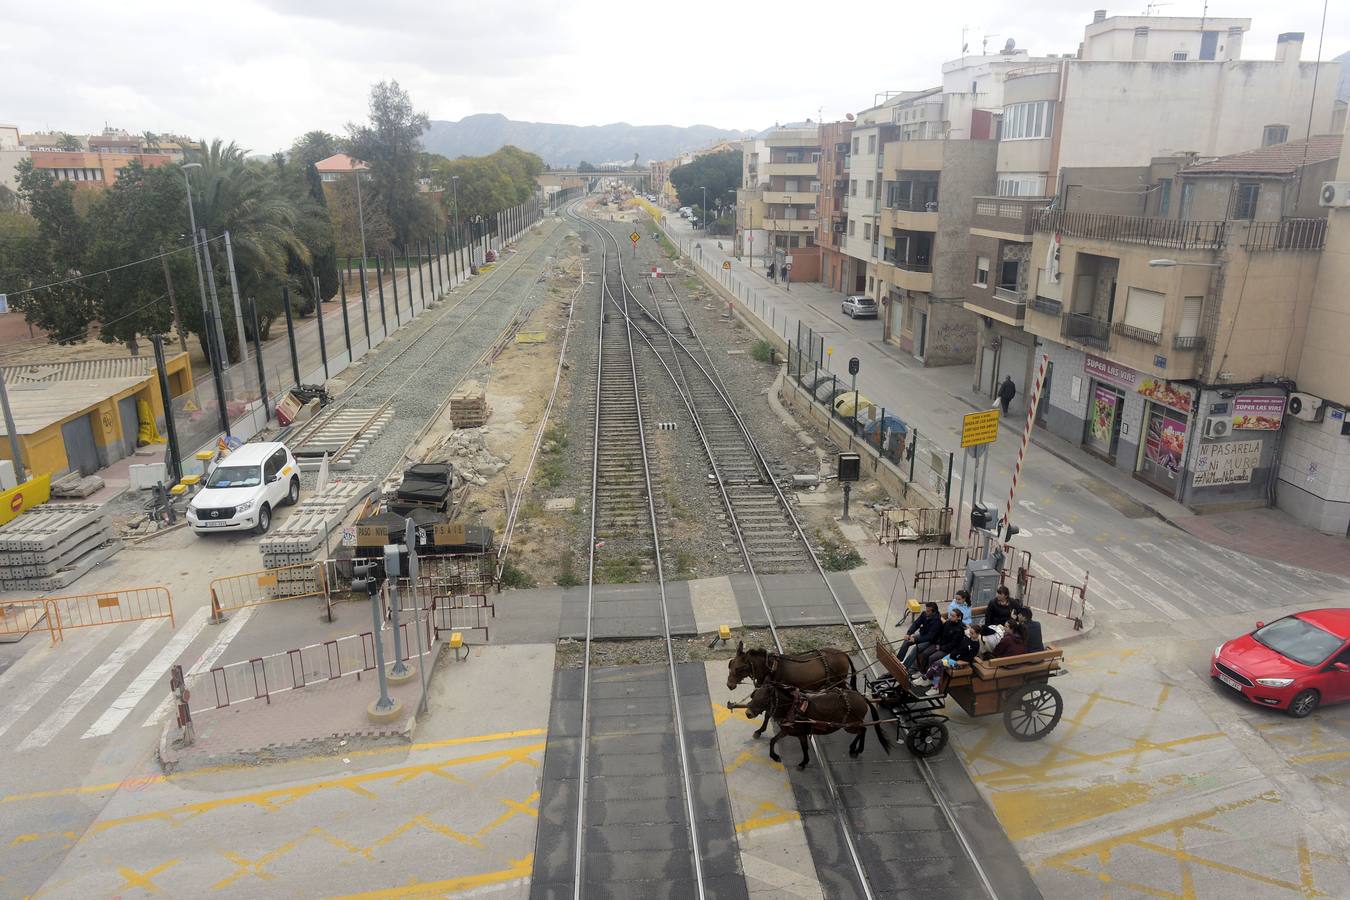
(1295,664)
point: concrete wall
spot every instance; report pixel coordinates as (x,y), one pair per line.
(1314,475)
(1263,320)
(967,171)
(1125,113)
(1322,367)
(1114,38)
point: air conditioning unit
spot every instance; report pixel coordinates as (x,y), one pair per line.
(1218,426)
(1306,407)
(1335,194)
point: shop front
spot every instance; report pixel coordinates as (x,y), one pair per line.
(1167,422)
(1108,386)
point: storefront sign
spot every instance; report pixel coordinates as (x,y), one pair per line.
(1173,396)
(1103,421)
(1105,370)
(1164,446)
(979,428)
(1257,413)
(1231,463)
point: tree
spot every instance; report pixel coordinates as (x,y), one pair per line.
(69,142)
(53,256)
(584,166)
(344,214)
(720,173)
(391,145)
(487,184)
(306,188)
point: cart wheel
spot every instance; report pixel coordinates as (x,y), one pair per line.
(1032,711)
(927,737)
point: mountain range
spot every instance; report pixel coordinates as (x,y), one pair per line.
(567,145)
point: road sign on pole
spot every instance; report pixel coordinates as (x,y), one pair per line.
(726,264)
(635,237)
(979,428)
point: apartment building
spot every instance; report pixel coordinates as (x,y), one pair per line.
(832,218)
(1173,340)
(12,152)
(861,239)
(1105,131)
(777,205)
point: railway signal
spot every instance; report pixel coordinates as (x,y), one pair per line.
(849,471)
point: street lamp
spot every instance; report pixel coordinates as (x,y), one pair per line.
(217,364)
(705,209)
(454,191)
(360,208)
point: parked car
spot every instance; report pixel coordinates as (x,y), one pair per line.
(244,488)
(1295,664)
(857,305)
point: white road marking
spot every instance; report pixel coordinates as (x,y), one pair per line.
(141,685)
(206,660)
(1095,589)
(58,667)
(96,682)
(1218,570)
(1110,571)
(1199,601)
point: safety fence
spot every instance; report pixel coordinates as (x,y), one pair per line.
(267,586)
(461,612)
(463,573)
(87,610)
(941,571)
(262,677)
(914,525)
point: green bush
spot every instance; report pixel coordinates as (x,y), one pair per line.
(567,576)
(836,556)
(515,577)
(762,351)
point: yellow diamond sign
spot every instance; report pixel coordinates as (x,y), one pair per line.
(635,237)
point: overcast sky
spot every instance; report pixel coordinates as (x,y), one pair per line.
(262,72)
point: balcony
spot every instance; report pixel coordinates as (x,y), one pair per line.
(912,276)
(791,170)
(1087,329)
(908,220)
(1192,342)
(1007,218)
(792,225)
(1046,305)
(1170,233)
(1004,304)
(1139,334)
(1286,234)
(801,198)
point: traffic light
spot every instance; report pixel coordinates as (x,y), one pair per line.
(1010,531)
(981,516)
(367,575)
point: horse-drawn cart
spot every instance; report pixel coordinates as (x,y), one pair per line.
(1017,686)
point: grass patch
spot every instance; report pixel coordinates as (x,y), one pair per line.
(515,577)
(557,436)
(762,351)
(552,472)
(567,574)
(684,564)
(836,556)
(619,570)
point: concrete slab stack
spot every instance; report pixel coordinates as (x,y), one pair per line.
(50,546)
(352,429)
(299,537)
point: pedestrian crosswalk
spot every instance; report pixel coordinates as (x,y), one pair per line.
(97,681)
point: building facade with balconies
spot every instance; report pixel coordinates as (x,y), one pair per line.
(787,184)
(832,217)
(1173,343)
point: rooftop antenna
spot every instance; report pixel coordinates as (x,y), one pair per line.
(1153,7)
(964,44)
(984,44)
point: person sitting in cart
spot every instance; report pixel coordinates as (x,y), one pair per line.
(961,602)
(1000,612)
(949,638)
(1014,641)
(923,631)
(966,652)
(1035,643)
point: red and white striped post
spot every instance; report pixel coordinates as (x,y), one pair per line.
(1032,403)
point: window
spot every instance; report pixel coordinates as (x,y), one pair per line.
(1184,211)
(982,271)
(898,193)
(871,144)
(871,284)
(1027,121)
(815,156)
(851,223)
(1007,274)
(871,188)
(1180,56)
(1244,206)
(1144,310)
(853,188)
(790,185)
(1164,197)
(855,145)
(1190,317)
(810,240)
(1274,134)
(867,231)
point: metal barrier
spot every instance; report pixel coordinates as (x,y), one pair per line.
(1056,598)
(267,586)
(462,573)
(261,677)
(926,523)
(19,617)
(107,608)
(1041,593)
(462,612)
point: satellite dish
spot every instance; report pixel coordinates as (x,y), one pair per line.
(848,116)
(1008,47)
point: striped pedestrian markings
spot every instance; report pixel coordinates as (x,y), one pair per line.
(50,676)
(206,660)
(152,675)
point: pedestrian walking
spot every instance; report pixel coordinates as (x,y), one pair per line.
(1006,392)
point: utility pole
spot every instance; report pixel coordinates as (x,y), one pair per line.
(173,305)
(234,290)
(215,306)
(170,429)
(15,452)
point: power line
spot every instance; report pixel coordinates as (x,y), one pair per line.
(84,334)
(156,257)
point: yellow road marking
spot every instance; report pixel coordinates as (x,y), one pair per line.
(519,868)
(245,866)
(147,781)
(268,799)
(133,880)
(768,814)
(513,809)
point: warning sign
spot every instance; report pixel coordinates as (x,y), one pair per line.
(726,264)
(189,406)
(635,237)
(372,535)
(979,428)
(446,534)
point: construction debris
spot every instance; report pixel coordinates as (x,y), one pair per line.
(468,408)
(50,546)
(306,529)
(75,486)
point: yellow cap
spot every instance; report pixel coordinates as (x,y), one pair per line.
(456,640)
(178,490)
(190,479)
(724,632)
(914,604)
(205,455)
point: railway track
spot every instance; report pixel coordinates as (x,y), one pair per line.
(855,872)
(611,772)
(369,404)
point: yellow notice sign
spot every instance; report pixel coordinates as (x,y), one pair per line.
(531,337)
(25,496)
(979,428)
(372,535)
(446,534)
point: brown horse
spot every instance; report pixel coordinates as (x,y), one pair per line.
(814,670)
(800,714)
